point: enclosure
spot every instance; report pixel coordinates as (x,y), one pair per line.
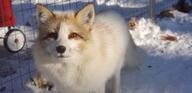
(17,68)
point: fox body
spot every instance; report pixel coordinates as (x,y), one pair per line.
(80,51)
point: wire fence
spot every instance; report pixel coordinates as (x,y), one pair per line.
(17,68)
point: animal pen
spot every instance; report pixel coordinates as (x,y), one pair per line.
(16,66)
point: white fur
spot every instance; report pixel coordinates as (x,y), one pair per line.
(88,72)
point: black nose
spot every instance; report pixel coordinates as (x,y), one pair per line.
(60,49)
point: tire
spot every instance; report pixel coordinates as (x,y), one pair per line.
(14,40)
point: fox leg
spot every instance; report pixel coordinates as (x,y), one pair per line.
(101,89)
(41,82)
(116,86)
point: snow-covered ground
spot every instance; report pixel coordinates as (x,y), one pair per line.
(169,65)
(168,68)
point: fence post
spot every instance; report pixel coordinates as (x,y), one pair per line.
(152,9)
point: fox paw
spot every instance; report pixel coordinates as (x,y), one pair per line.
(41,83)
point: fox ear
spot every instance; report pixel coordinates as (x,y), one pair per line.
(43,14)
(86,16)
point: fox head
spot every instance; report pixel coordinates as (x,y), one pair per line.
(65,34)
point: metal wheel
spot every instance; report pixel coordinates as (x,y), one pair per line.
(14,40)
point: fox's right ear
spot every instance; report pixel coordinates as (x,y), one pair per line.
(43,14)
(86,16)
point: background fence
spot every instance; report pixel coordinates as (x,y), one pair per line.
(16,69)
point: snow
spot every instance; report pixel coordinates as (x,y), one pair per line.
(169,71)
(168,68)
(150,33)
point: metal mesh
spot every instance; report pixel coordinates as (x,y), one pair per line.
(17,68)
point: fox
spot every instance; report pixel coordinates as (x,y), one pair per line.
(80,51)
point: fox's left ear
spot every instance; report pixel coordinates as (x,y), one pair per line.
(43,14)
(86,16)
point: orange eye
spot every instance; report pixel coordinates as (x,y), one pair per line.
(74,36)
(53,35)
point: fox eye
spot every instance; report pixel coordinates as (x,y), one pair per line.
(75,36)
(52,35)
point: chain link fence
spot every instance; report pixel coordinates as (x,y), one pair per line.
(17,68)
